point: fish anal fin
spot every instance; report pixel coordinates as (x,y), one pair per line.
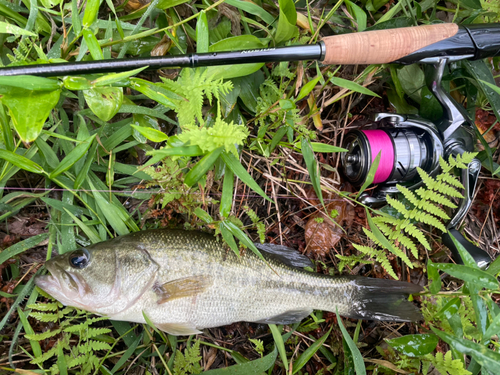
(178,329)
(288,317)
(185,287)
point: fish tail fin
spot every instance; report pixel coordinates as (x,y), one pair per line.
(380,299)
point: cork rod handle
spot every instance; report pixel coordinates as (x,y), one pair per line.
(383,46)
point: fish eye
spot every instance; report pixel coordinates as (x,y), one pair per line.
(79,258)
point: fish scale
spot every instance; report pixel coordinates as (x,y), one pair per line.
(185,281)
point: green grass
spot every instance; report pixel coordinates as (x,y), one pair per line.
(98,156)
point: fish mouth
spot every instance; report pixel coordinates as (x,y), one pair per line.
(66,287)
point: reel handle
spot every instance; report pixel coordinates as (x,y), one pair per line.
(384,46)
(408,45)
(481,258)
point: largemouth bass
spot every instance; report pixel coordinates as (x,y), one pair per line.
(185,281)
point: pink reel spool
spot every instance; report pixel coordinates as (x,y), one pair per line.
(380,142)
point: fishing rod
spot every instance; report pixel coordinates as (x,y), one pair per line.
(402,45)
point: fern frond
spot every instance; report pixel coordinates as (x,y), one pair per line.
(75,328)
(408,243)
(438,186)
(425,218)
(398,205)
(427,195)
(94,332)
(45,317)
(221,134)
(445,167)
(436,211)
(445,364)
(450,179)
(76,361)
(379,255)
(43,336)
(52,306)
(98,345)
(413,231)
(408,194)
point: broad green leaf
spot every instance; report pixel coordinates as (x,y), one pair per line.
(229,71)
(415,345)
(76,83)
(21,161)
(229,238)
(359,363)
(493,329)
(370,177)
(286,22)
(151,91)
(91,233)
(22,246)
(90,15)
(433,274)
(475,276)
(323,147)
(104,101)
(108,79)
(165,4)
(257,366)
(110,211)
(240,42)
(202,37)
(252,8)
(358,14)
(487,358)
(226,200)
(412,80)
(308,87)
(353,86)
(30,83)
(312,167)
(151,134)
(93,45)
(82,174)
(76,154)
(203,215)
(7,28)
(29,109)
(278,342)
(199,170)
(235,165)
(309,352)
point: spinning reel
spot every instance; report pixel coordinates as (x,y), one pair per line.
(406,142)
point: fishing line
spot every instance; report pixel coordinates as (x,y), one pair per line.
(140,191)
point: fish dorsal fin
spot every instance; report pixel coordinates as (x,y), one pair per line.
(185,287)
(284,254)
(178,329)
(288,317)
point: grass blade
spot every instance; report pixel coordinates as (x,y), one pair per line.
(359,363)
(312,167)
(238,169)
(199,170)
(278,342)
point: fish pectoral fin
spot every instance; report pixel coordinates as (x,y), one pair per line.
(288,317)
(178,329)
(185,287)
